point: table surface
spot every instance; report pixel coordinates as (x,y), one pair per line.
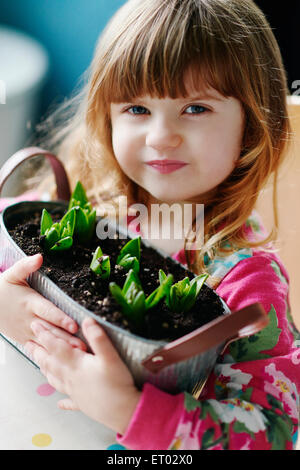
(30,418)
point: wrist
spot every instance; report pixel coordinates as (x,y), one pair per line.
(127,409)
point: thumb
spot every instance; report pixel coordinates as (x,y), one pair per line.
(20,271)
(98,339)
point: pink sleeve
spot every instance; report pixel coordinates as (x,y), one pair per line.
(251,398)
(155,408)
(28,196)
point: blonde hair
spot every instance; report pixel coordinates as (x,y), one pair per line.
(146,48)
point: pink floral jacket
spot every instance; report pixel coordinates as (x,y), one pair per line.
(251,399)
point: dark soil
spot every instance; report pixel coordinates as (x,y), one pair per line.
(70,271)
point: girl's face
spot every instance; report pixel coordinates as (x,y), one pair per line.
(178,149)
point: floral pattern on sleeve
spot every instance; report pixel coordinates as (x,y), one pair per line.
(253,392)
(251,399)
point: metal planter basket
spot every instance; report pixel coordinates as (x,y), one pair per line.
(173,367)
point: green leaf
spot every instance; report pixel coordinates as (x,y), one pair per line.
(132,292)
(158,294)
(131,278)
(182,295)
(85,214)
(62,244)
(173,300)
(100,264)
(68,217)
(88,207)
(52,236)
(132,303)
(162,278)
(131,298)
(199,280)
(162,275)
(117,293)
(46,221)
(105,266)
(139,301)
(129,262)
(67,231)
(78,195)
(92,224)
(67,224)
(97,254)
(82,225)
(188,301)
(132,248)
(138,308)
(176,295)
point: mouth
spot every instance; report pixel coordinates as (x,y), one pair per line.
(166,166)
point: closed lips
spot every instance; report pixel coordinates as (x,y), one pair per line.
(166,162)
(166,166)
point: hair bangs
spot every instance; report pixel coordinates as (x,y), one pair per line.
(154,60)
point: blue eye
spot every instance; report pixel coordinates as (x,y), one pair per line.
(196,109)
(137,110)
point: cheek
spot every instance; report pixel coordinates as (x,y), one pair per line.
(238,135)
(115,142)
(123,150)
(230,144)
(119,144)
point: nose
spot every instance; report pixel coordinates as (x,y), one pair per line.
(163,136)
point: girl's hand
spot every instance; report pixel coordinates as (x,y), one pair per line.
(99,384)
(20,305)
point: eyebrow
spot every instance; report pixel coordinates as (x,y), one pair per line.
(206,96)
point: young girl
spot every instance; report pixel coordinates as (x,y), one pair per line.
(198,86)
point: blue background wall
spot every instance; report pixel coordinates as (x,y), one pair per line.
(68,29)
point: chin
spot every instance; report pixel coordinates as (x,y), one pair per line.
(168,198)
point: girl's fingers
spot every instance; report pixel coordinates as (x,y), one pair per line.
(49,342)
(67,404)
(37,304)
(41,358)
(20,271)
(46,310)
(55,382)
(38,354)
(98,339)
(48,366)
(59,333)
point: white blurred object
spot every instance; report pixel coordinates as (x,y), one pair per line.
(24,64)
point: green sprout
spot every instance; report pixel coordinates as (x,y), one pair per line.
(132,298)
(85,214)
(182,295)
(58,236)
(100,264)
(130,255)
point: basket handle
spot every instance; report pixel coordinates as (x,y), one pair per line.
(228,328)
(61,178)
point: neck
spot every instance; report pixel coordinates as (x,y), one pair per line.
(177,220)
(194,204)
